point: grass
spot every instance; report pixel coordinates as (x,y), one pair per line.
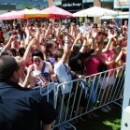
(115,124)
(105,121)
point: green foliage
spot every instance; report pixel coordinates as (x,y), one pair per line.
(27,6)
(115,124)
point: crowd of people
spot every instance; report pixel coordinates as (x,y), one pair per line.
(57,53)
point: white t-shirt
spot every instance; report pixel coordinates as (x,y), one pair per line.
(64,75)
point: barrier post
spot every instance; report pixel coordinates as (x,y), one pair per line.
(126,97)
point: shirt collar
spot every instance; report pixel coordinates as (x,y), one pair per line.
(9,84)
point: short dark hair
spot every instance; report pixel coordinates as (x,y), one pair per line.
(13,51)
(102,33)
(8,66)
(59,54)
(95,25)
(21,51)
(4,53)
(38,53)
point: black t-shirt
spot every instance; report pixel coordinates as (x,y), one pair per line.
(23,109)
(77,62)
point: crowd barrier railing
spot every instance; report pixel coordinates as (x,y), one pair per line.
(87,94)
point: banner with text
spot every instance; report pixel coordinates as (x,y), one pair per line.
(72,5)
(121,4)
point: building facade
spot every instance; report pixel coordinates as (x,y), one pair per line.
(76,4)
(20,4)
(89,3)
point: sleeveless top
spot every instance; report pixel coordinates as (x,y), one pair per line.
(42,75)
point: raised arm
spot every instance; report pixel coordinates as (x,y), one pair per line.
(66,50)
(108,45)
(47,31)
(32,42)
(27,36)
(83,47)
(7,46)
(75,41)
(29,80)
(119,55)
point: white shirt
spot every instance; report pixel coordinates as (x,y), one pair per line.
(64,75)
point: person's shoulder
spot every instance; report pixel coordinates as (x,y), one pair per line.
(21,91)
(17,92)
(30,94)
(31,91)
(58,64)
(47,63)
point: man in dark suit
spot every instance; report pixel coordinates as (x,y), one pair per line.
(21,108)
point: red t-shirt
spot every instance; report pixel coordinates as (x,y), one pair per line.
(1,35)
(91,66)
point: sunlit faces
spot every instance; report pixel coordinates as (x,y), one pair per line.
(101,36)
(89,43)
(36,60)
(54,48)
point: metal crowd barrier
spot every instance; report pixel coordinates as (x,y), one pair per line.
(87,94)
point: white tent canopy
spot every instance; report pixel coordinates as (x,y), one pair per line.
(122,17)
(115,17)
(123,13)
(107,17)
(95,12)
